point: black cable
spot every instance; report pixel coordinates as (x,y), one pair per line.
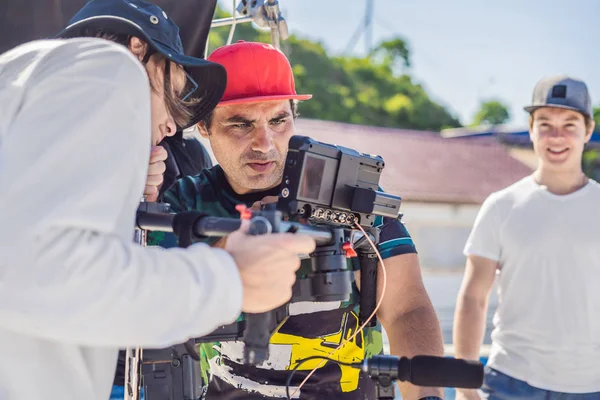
(300,362)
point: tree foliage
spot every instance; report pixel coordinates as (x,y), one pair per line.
(591,157)
(370,90)
(395,53)
(492,112)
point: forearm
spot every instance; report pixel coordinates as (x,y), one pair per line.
(92,289)
(469,327)
(416,332)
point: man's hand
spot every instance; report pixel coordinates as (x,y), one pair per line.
(467,394)
(267,265)
(156,169)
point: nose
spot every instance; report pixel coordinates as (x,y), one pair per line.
(557,133)
(262,139)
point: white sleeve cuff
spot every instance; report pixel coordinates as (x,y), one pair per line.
(471,251)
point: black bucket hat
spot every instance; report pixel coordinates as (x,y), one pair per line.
(151,24)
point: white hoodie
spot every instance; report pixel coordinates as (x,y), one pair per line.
(74,288)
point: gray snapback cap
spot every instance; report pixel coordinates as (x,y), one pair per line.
(561,91)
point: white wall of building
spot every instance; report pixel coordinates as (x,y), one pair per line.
(439,231)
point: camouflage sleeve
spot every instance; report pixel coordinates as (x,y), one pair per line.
(181,197)
(168,239)
(172,196)
(394,238)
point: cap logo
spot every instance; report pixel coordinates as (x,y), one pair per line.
(133,5)
(165,15)
(559,91)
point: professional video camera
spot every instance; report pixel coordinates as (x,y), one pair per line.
(330,189)
(326,192)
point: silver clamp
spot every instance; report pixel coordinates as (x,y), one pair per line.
(265,14)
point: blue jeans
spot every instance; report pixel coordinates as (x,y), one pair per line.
(499,386)
(119,391)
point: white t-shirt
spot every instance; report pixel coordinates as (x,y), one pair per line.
(74,288)
(547,324)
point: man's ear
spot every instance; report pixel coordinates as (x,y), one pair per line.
(138,48)
(590,130)
(202,130)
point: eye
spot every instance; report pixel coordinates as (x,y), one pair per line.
(278,121)
(240,126)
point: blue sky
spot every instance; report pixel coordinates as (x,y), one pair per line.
(467,50)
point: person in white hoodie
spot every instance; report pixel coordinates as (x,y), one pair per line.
(78,118)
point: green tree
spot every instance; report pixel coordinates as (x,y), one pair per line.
(591,157)
(492,112)
(394,52)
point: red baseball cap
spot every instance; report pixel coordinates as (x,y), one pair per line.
(255,72)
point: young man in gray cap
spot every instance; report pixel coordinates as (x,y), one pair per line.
(540,236)
(78,118)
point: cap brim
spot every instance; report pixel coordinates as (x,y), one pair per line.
(257,99)
(211,77)
(531,109)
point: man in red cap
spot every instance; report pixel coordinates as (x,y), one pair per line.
(249,133)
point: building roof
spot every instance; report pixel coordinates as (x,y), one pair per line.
(510,135)
(422,166)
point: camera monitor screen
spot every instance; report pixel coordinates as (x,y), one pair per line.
(318,179)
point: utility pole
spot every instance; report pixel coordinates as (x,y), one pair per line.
(368,27)
(365,29)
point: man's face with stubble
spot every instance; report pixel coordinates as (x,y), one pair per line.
(250,142)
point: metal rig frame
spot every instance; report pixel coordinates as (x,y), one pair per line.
(265,14)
